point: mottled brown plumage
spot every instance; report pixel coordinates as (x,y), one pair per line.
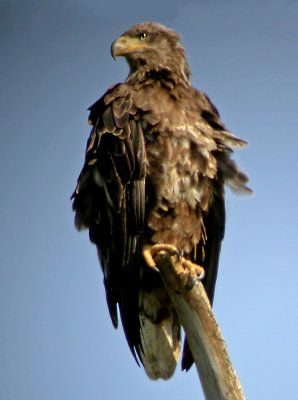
(156,163)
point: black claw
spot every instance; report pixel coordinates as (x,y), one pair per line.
(190,282)
(180,254)
(201,276)
(155,269)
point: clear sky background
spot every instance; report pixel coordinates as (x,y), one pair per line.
(56,338)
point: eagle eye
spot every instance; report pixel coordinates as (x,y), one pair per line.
(143,36)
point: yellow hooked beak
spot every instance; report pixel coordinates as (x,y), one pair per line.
(126,45)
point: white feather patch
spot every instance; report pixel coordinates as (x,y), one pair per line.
(161,347)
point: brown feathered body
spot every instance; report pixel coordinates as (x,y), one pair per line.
(156,163)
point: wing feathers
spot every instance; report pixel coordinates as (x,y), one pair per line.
(110,201)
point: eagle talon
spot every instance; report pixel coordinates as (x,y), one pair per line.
(194,271)
(179,254)
(191,281)
(155,269)
(149,252)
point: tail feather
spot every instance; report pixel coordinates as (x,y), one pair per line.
(161,347)
(160,337)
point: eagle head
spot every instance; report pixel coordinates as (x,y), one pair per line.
(152,46)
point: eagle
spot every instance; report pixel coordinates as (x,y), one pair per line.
(156,163)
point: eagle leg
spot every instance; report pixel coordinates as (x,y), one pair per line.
(187,267)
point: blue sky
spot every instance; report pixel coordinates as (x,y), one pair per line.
(56,339)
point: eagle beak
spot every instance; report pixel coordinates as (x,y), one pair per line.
(125,45)
(117,47)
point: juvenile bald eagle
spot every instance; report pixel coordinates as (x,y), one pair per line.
(156,163)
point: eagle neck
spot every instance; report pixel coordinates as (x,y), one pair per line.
(166,76)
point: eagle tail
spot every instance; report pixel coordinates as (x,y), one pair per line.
(161,345)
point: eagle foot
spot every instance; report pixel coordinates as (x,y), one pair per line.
(193,272)
(187,268)
(149,252)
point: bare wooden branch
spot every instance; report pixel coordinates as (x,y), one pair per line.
(218,378)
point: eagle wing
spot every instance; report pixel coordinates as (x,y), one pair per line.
(113,176)
(207,253)
(208,249)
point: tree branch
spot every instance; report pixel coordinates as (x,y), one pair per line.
(218,378)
